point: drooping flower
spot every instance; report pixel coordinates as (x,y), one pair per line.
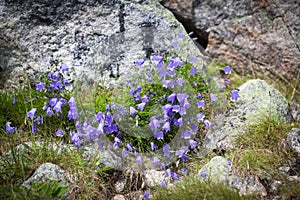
(201,104)
(98,117)
(227,70)
(40,86)
(64,68)
(107,107)
(229,162)
(166,150)
(55,75)
(234,95)
(52,102)
(203,174)
(167,109)
(129,147)
(147,194)
(175,62)
(200,116)
(72,114)
(72,102)
(176,108)
(193,144)
(230,123)
(168,173)
(76,139)
(178,122)
(212,97)
(193,71)
(226,80)
(145,99)
(58,106)
(140,62)
(141,106)
(49,112)
(193,59)
(153,146)
(59,133)
(168,83)
(199,96)
(154,123)
(186,134)
(39,119)
(31,113)
(181,98)
(8,128)
(155,161)
(139,160)
(180,81)
(117,142)
(108,120)
(163,183)
(166,127)
(14,101)
(159,135)
(172,97)
(33,128)
(207,124)
(175,176)
(132,111)
(182,151)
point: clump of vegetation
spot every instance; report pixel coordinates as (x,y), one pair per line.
(195,188)
(171,102)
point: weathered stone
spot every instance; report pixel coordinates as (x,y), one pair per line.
(100,39)
(48,172)
(153,177)
(216,170)
(293,139)
(118,197)
(120,185)
(260,37)
(219,169)
(258,100)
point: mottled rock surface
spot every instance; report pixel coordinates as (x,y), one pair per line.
(47,172)
(293,139)
(257,101)
(100,39)
(258,37)
(219,169)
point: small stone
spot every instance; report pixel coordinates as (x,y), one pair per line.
(120,185)
(284,169)
(274,187)
(154,177)
(293,139)
(118,197)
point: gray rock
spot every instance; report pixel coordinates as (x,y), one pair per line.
(293,139)
(105,158)
(48,172)
(258,100)
(219,169)
(120,185)
(154,177)
(100,39)
(90,152)
(257,37)
(118,197)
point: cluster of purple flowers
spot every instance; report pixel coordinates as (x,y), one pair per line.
(174,111)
